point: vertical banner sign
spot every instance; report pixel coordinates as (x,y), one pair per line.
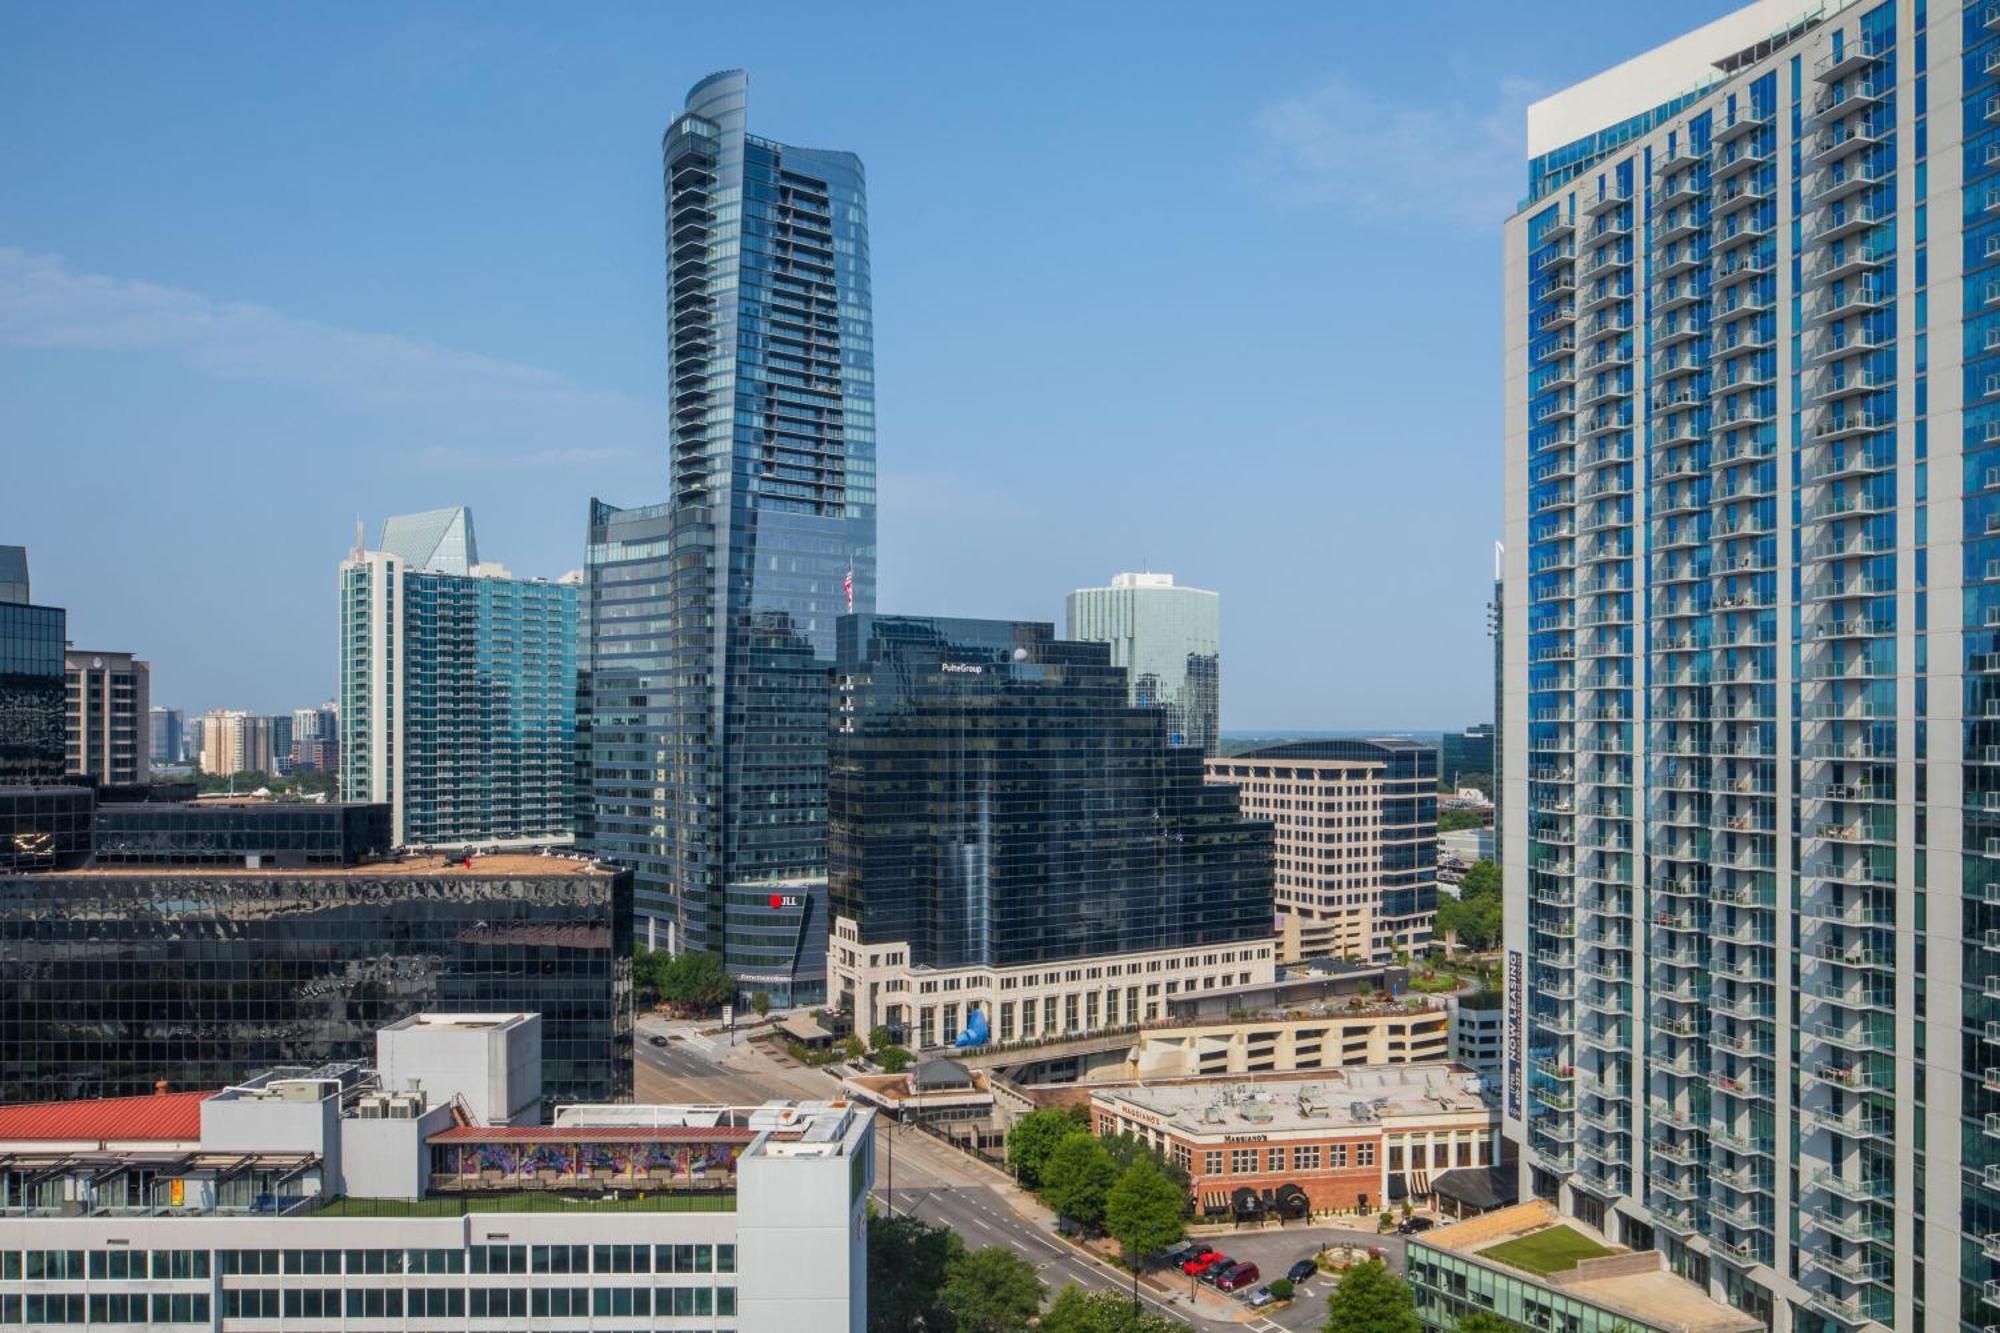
(1515,1027)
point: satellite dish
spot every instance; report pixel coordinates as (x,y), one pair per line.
(1020,654)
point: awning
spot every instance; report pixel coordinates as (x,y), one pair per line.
(1478,1187)
(1420,1183)
(1215,1201)
(803,1027)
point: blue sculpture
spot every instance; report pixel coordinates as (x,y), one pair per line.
(976,1031)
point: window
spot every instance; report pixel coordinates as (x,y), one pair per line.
(250,1303)
(117,1264)
(560,1258)
(1242,1161)
(312,1303)
(725,1258)
(1336,1155)
(1305,1159)
(1274,1159)
(559,1302)
(689,1258)
(1211,1163)
(374,1303)
(623,1258)
(1183,1158)
(1364,1154)
(498,1302)
(315,1262)
(499,1258)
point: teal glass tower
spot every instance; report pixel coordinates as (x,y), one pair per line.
(717,775)
(458,690)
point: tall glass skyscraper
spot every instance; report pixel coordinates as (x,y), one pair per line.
(767,537)
(1752,660)
(458,690)
(1169,640)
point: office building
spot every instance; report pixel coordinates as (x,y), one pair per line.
(1356,842)
(1477,1031)
(458,689)
(1753,682)
(768,536)
(233,741)
(1009,836)
(1346,1140)
(107,730)
(201,942)
(1465,754)
(166,735)
(1168,639)
(281,742)
(417,1183)
(32,749)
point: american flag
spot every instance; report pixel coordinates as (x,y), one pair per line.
(848,585)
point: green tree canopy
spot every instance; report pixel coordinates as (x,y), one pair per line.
(1451,821)
(695,981)
(1126,1149)
(992,1290)
(1144,1211)
(909,1263)
(1371,1299)
(1031,1140)
(1078,1311)
(1481,877)
(893,1059)
(1077,1178)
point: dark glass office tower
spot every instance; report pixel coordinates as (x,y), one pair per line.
(996,801)
(33,697)
(113,977)
(769,533)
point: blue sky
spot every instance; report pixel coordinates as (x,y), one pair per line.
(1210,289)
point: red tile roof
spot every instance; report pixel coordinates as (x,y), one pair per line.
(163,1116)
(592,1134)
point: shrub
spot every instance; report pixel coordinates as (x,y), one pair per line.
(1282,1288)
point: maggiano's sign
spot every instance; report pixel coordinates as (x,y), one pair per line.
(1244,1138)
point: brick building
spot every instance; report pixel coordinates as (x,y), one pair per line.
(1348,1140)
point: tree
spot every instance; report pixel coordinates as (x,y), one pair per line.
(1143,1212)
(1031,1140)
(1078,1311)
(648,973)
(761,1002)
(1481,877)
(695,981)
(1077,1179)
(1281,1288)
(881,1039)
(892,1059)
(1371,1299)
(909,1262)
(1485,1321)
(1451,821)
(992,1290)
(1126,1149)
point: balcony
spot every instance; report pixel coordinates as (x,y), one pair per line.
(1851,58)
(1842,220)
(1747,120)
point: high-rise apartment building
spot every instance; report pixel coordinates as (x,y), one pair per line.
(1168,639)
(281,742)
(1009,836)
(107,726)
(31,679)
(708,743)
(1752,610)
(458,689)
(315,739)
(166,734)
(1355,828)
(233,741)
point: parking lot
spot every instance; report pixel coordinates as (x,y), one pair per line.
(1276,1249)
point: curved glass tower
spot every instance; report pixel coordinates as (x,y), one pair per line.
(769,536)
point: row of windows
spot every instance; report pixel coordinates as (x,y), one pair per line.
(108,1308)
(75,1265)
(482,1259)
(450,1303)
(1244,1161)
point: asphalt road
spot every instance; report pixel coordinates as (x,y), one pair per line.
(917,1174)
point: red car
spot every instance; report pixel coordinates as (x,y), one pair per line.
(1200,1262)
(1238,1277)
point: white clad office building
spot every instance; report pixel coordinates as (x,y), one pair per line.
(1169,640)
(347,1197)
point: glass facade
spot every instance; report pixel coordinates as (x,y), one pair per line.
(111,980)
(1169,640)
(32,693)
(1463,753)
(770,529)
(458,702)
(995,800)
(1750,901)
(1447,1287)
(285,834)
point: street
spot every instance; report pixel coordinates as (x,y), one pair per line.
(916,1174)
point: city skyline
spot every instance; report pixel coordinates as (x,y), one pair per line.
(419,378)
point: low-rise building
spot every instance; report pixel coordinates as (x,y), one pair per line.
(343,1192)
(1534,1269)
(1349,1140)
(1478,1029)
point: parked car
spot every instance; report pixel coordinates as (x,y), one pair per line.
(1213,1272)
(1238,1277)
(1260,1298)
(1412,1225)
(1302,1270)
(1176,1255)
(1197,1263)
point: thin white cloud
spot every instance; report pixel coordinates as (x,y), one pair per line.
(47,305)
(1453,164)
